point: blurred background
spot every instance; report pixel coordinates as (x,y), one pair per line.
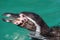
(49,10)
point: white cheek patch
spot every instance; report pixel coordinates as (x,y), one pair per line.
(21,18)
(21,15)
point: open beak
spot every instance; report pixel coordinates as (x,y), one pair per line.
(8,17)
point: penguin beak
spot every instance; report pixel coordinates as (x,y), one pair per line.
(9,17)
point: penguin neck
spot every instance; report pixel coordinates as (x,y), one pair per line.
(41,26)
(44,27)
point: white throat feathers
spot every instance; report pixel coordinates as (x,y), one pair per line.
(38,29)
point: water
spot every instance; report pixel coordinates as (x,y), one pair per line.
(49,10)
